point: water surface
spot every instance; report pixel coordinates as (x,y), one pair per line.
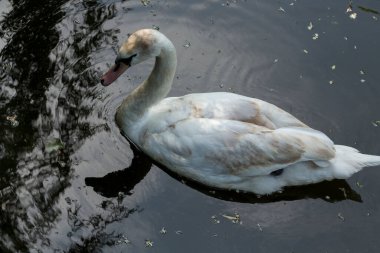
(70,182)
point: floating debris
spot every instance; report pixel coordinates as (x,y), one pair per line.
(361,72)
(341,216)
(331,82)
(345,38)
(148,243)
(305,51)
(315,36)
(163,231)
(234,219)
(376,123)
(260,227)
(124,240)
(179,232)
(310,26)
(358,184)
(145,2)
(362,80)
(13,120)
(281,9)
(275,60)
(375,18)
(327,197)
(353,15)
(215,220)
(333,67)
(187,44)
(156,27)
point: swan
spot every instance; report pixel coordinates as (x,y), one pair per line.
(221,139)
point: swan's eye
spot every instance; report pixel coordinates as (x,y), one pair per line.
(126,61)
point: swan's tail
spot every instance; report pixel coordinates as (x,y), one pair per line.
(349,161)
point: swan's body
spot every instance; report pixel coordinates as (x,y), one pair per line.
(222,139)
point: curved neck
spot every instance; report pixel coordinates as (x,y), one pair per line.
(152,90)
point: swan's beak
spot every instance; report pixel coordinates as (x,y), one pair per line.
(112,74)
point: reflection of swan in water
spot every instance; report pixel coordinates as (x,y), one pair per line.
(122,180)
(222,140)
(125,180)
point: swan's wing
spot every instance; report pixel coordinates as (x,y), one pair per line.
(234,147)
(223,105)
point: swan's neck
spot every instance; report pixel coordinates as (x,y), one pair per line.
(152,90)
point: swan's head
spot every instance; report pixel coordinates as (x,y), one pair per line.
(140,46)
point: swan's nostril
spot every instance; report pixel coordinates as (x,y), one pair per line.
(102,81)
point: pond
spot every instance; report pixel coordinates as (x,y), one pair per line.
(70,182)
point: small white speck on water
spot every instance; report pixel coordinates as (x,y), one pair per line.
(310,26)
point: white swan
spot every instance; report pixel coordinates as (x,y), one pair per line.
(222,139)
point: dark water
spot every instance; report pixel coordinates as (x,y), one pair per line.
(69,182)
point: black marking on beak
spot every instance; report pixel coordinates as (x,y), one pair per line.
(126,61)
(117,66)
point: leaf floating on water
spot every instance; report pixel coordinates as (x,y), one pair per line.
(376,123)
(315,36)
(359,184)
(310,26)
(187,44)
(215,220)
(341,216)
(148,243)
(260,227)
(163,231)
(234,219)
(353,15)
(361,72)
(281,9)
(362,80)
(145,2)
(156,27)
(275,60)
(331,82)
(333,67)
(305,51)
(125,240)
